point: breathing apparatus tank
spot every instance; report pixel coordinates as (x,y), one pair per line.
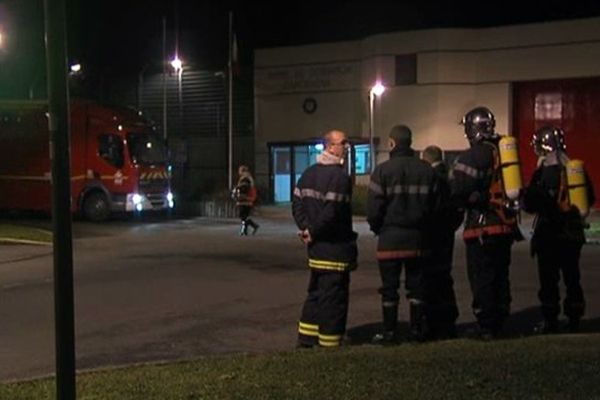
(576,183)
(510,166)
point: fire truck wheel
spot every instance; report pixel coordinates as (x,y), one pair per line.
(95,207)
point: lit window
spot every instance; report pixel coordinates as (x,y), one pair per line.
(548,106)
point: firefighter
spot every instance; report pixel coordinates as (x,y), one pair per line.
(400,198)
(442,310)
(322,211)
(490,226)
(558,229)
(245,195)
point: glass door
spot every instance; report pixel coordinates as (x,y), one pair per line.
(281,173)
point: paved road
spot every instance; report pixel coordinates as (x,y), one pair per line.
(180,289)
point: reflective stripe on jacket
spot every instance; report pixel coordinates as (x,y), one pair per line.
(321,204)
(401,197)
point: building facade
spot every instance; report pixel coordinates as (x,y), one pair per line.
(528,75)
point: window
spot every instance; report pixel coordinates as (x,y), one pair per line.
(110,148)
(548,106)
(362,159)
(406,69)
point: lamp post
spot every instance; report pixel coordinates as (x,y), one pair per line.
(177,65)
(376,91)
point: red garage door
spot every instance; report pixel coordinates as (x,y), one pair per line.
(572,104)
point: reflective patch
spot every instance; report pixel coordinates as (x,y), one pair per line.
(375,187)
(330,340)
(328,265)
(329,196)
(468,170)
(411,189)
(308,329)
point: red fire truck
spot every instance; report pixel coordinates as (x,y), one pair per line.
(118,162)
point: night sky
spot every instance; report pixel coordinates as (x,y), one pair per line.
(118,38)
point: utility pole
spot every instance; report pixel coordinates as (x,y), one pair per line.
(58,125)
(230,107)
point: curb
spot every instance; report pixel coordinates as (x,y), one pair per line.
(6,240)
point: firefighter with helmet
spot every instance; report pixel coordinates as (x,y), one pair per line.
(490,226)
(560,193)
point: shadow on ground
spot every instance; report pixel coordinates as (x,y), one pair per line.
(519,324)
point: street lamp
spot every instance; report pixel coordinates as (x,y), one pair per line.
(376,91)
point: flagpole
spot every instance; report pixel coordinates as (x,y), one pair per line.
(230,106)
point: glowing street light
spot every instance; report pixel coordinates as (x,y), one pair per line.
(376,91)
(75,68)
(177,64)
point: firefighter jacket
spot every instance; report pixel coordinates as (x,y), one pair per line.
(447,217)
(401,197)
(245,192)
(471,179)
(321,204)
(542,197)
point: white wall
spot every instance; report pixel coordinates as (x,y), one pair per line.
(457,69)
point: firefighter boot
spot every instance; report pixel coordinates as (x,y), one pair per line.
(417,321)
(244,229)
(573,325)
(390,320)
(548,326)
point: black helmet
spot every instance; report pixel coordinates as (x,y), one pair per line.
(479,124)
(548,139)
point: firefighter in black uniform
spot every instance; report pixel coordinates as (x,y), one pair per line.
(401,197)
(323,213)
(558,231)
(490,227)
(442,310)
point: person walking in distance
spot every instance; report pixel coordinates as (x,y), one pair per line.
(245,195)
(322,211)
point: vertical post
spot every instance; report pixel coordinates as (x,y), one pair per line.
(230,107)
(58,124)
(164,63)
(371,130)
(180,98)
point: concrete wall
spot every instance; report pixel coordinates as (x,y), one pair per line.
(457,69)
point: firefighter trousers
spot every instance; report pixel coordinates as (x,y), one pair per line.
(488,262)
(439,296)
(554,259)
(390,271)
(325,311)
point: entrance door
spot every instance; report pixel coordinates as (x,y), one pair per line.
(281,158)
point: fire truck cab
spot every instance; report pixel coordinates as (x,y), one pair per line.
(118,161)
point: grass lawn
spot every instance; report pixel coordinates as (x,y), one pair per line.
(553,367)
(16,233)
(593,231)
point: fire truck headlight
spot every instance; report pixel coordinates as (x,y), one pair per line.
(137,200)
